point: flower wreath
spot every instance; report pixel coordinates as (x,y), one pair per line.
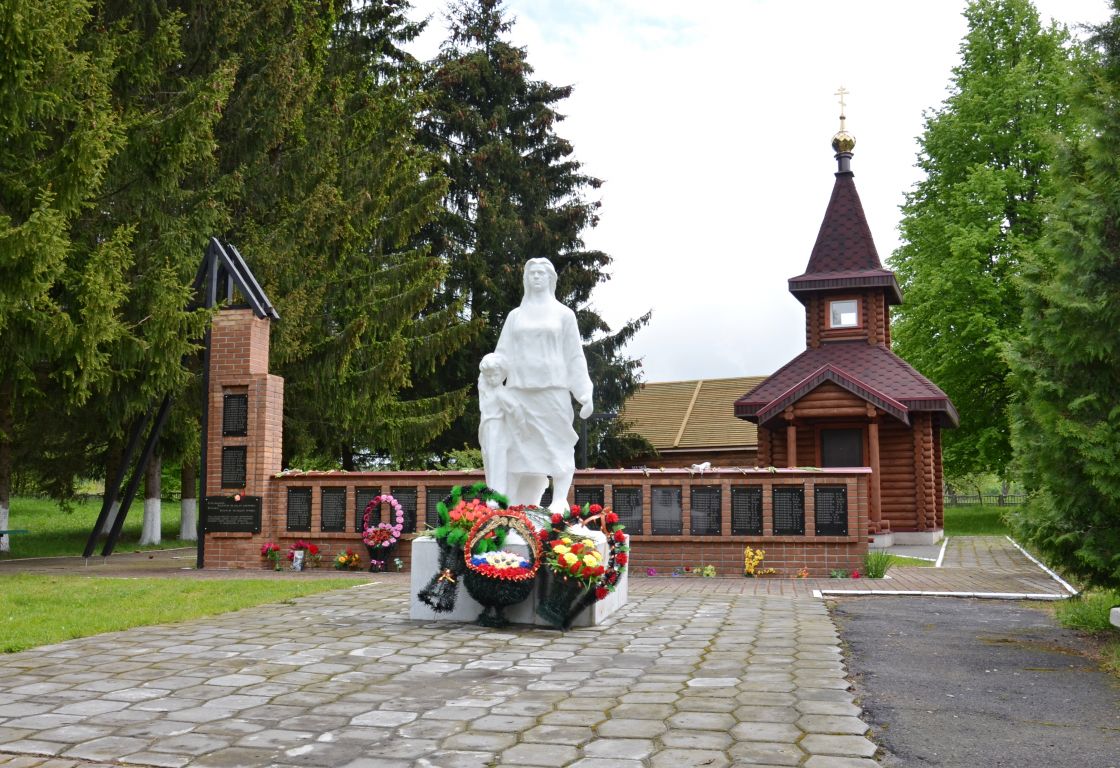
(382,535)
(468,505)
(499,564)
(618,554)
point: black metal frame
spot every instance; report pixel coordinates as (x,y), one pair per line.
(217,265)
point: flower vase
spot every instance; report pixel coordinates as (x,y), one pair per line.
(378,558)
(443,588)
(562,599)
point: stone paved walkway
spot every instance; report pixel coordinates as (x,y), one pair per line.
(345,679)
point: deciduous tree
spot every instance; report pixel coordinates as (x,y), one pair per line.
(986,153)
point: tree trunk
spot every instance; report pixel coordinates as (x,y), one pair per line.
(188,520)
(348,458)
(7,427)
(150,534)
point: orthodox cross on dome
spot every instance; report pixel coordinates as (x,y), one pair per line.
(842,92)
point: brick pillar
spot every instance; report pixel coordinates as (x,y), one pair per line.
(239,344)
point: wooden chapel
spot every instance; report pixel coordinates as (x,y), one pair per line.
(848,400)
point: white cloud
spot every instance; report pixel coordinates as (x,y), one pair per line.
(710,123)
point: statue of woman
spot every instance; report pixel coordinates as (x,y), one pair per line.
(545,369)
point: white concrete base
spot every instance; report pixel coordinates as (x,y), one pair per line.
(918,538)
(425,562)
(881,541)
(1114,617)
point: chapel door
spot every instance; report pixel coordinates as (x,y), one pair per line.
(842,448)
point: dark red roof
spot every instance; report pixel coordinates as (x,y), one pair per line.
(869,371)
(844,255)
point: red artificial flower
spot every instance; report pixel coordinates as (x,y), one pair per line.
(313,549)
(623,558)
(576,510)
(600,571)
(576,566)
(542,534)
(619,536)
(855,574)
(557,519)
(687,569)
(596,508)
(611,518)
(601,593)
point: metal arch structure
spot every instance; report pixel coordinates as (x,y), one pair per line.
(222,272)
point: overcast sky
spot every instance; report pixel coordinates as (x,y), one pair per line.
(710,124)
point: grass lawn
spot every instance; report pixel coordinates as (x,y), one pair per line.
(975,521)
(911,561)
(39,609)
(1089,612)
(54,532)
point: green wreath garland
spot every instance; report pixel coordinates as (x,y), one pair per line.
(618,551)
(455,535)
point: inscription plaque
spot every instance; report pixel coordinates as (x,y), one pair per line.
(299,509)
(666,511)
(233,466)
(746,510)
(831,505)
(706,503)
(332,509)
(406,497)
(789,510)
(433,496)
(628,507)
(235,415)
(362,498)
(225,515)
(590,494)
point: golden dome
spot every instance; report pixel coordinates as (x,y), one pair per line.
(843,141)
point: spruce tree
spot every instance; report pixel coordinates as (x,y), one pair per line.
(986,153)
(1067,363)
(58,296)
(515,193)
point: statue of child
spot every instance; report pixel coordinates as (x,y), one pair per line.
(501,423)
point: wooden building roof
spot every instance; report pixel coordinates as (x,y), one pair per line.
(698,414)
(869,371)
(844,256)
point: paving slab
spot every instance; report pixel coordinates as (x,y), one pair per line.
(346,679)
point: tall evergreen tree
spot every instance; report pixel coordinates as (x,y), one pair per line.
(1067,363)
(515,193)
(986,153)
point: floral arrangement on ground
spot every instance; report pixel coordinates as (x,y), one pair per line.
(462,509)
(570,556)
(382,536)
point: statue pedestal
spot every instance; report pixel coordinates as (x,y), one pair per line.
(425,562)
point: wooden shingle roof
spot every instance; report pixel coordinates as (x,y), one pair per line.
(692,414)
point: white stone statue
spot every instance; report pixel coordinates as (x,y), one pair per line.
(528,421)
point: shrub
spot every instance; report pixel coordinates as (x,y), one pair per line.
(875,563)
(1089,610)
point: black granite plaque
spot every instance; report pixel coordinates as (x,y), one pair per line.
(433,496)
(665,506)
(233,466)
(225,515)
(746,510)
(546,498)
(235,415)
(590,494)
(299,509)
(706,514)
(406,497)
(362,498)
(831,505)
(789,510)
(332,509)
(628,506)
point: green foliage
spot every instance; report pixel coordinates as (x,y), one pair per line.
(1067,364)
(977,520)
(876,563)
(515,192)
(40,610)
(986,153)
(1089,611)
